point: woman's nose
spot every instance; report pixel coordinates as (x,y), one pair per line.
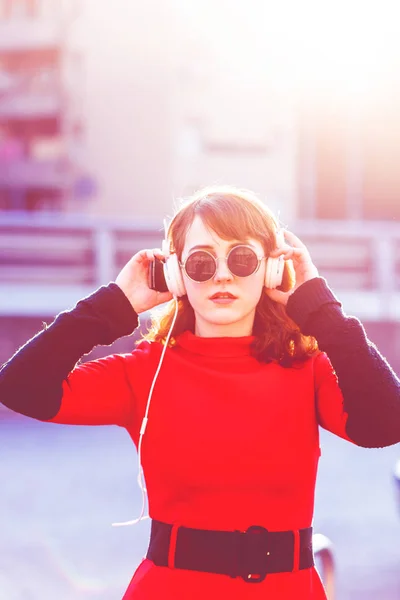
(222,273)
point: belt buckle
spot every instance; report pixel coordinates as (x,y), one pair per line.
(255,539)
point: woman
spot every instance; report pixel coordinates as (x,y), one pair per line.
(230,448)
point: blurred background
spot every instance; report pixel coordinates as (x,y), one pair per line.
(109,111)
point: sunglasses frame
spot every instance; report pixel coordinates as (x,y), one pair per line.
(215,259)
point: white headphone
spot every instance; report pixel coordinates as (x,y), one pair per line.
(275,266)
(172,269)
(173,275)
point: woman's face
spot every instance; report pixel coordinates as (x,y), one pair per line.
(222,318)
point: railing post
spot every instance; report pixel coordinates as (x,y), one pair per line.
(384,267)
(396,477)
(104,255)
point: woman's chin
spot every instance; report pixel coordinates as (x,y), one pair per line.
(226,317)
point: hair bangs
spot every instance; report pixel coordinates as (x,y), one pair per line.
(230,213)
(232,219)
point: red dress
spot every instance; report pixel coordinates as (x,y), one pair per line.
(230,442)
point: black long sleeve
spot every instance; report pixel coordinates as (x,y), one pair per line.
(31,381)
(370,388)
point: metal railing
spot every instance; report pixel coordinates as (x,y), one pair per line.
(28,172)
(396,479)
(323,552)
(361,260)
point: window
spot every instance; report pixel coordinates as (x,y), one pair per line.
(348,168)
(47,147)
(10,9)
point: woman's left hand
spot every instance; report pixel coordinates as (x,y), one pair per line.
(303,266)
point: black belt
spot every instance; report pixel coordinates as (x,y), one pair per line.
(251,554)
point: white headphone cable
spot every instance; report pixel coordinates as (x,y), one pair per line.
(140,478)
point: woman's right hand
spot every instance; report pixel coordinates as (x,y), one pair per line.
(133,281)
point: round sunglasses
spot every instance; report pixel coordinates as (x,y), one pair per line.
(201,265)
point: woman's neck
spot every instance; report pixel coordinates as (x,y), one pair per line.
(241,328)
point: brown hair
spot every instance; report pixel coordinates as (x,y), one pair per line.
(236,214)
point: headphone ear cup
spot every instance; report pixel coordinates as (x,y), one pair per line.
(274,272)
(275,266)
(173,276)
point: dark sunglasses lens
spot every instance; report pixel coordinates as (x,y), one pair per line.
(242,261)
(200,266)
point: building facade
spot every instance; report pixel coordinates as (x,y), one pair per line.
(169,110)
(111,111)
(41,125)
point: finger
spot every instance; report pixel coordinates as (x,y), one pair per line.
(146,256)
(150,254)
(158,254)
(289,252)
(164,297)
(295,253)
(142,256)
(293,239)
(277,295)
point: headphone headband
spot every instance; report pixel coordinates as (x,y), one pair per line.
(166,246)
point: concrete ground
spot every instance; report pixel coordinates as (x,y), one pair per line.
(63,486)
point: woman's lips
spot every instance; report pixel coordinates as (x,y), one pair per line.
(223,298)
